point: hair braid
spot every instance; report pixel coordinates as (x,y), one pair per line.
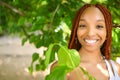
(73,37)
(108,20)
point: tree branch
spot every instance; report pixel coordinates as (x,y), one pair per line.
(12,8)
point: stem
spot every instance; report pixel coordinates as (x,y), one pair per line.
(25,32)
(78,75)
(54,13)
(87,74)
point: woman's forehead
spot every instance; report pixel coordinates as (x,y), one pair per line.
(91,13)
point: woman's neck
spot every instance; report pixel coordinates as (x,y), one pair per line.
(91,56)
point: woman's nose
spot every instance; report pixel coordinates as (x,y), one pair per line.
(91,32)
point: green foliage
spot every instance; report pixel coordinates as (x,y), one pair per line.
(70,58)
(115,41)
(42,22)
(59,73)
(67,61)
(49,54)
(35,56)
(1,30)
(47,22)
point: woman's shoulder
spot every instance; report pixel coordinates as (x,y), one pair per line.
(117,65)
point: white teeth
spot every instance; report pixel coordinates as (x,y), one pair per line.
(90,41)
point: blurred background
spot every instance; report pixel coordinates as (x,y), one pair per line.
(30,26)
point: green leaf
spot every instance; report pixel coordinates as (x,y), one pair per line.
(48,54)
(21,21)
(32,39)
(42,64)
(87,1)
(1,29)
(30,69)
(58,73)
(35,57)
(70,58)
(23,41)
(38,67)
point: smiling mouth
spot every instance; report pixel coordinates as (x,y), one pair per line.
(91,41)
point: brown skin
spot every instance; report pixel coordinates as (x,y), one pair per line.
(91,34)
(118,67)
(93,70)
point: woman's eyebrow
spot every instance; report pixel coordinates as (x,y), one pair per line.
(82,19)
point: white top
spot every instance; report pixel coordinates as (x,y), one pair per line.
(113,74)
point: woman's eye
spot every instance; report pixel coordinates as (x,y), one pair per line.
(99,26)
(82,26)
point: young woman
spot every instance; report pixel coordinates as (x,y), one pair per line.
(91,36)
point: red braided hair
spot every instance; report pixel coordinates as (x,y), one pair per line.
(105,49)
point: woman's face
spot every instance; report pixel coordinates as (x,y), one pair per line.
(91,32)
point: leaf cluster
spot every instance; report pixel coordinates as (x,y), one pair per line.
(68,59)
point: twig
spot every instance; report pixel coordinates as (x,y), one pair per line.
(12,8)
(25,32)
